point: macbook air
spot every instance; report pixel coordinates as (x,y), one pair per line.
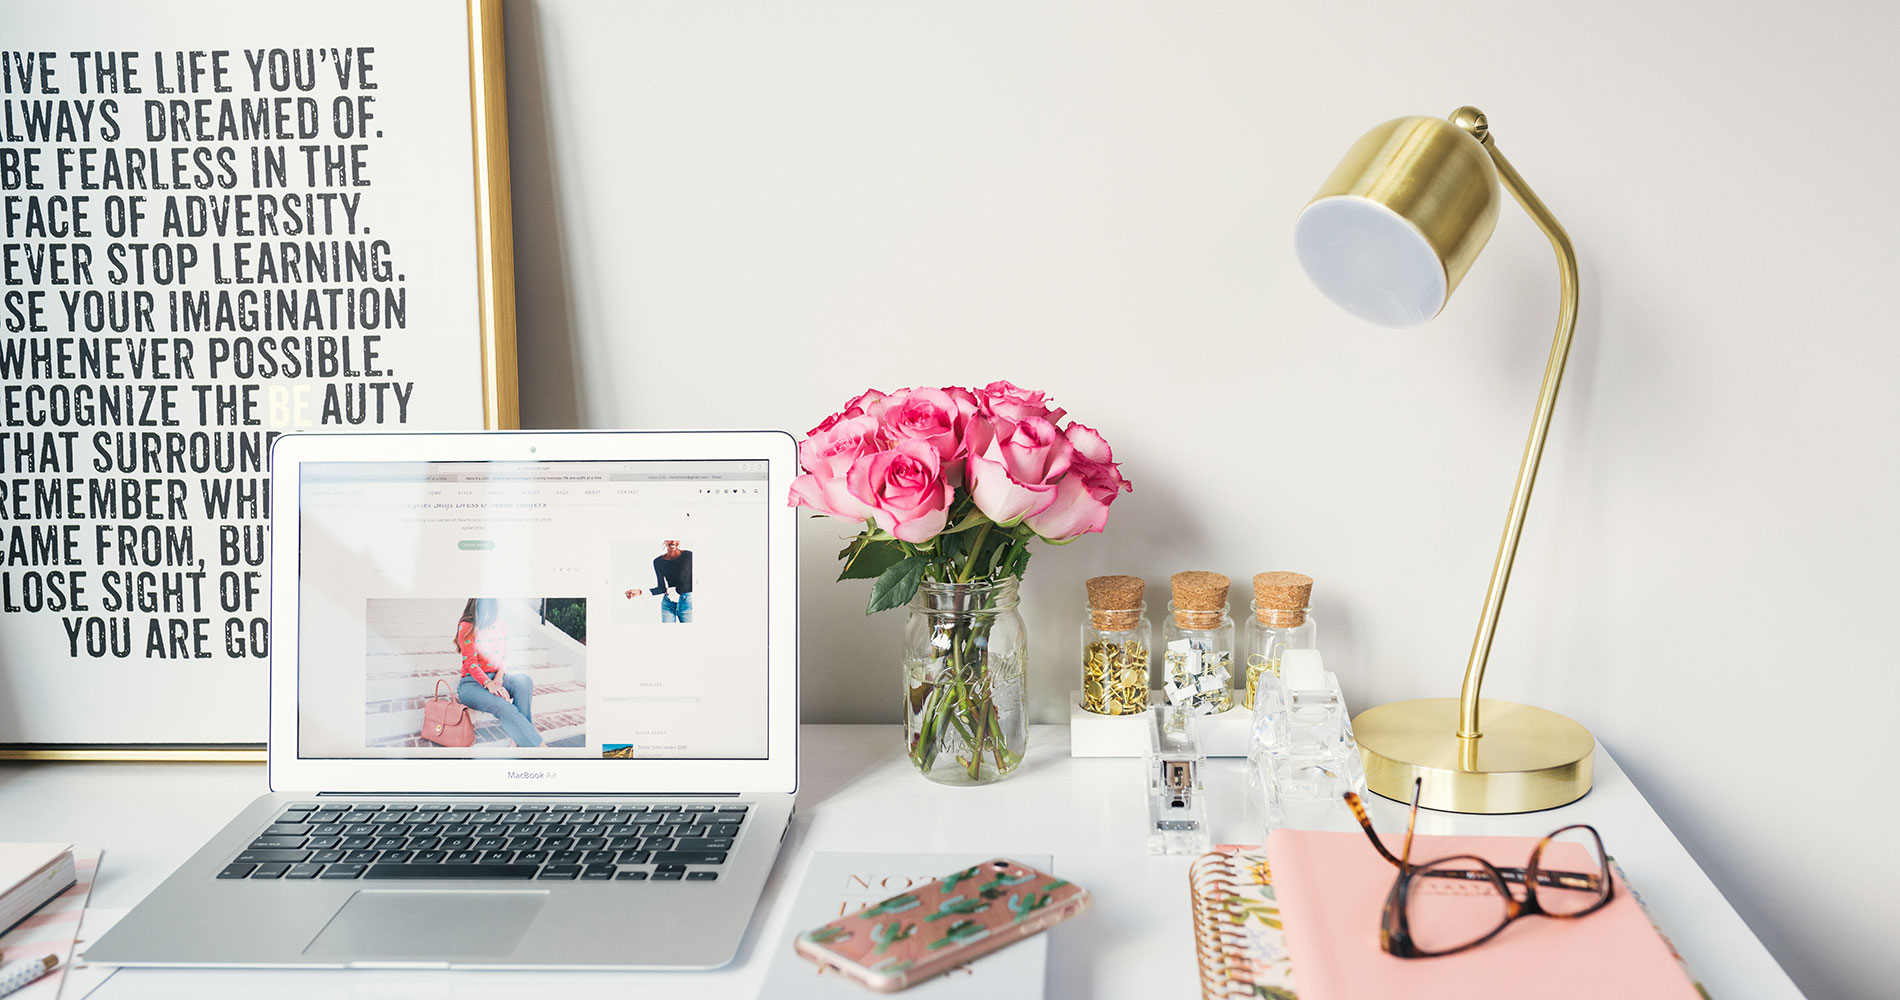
(533,704)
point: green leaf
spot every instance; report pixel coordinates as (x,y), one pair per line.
(866,559)
(995,561)
(896,585)
(1018,563)
(975,518)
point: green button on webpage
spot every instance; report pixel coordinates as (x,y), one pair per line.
(474,544)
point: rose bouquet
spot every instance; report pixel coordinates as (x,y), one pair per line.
(951,485)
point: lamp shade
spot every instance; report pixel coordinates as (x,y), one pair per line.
(1397,224)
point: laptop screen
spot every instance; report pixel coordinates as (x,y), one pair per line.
(575,609)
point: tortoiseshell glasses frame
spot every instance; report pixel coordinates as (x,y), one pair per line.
(1395,930)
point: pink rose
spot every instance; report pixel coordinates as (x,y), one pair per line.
(832,446)
(1016,474)
(973,432)
(966,401)
(826,496)
(864,403)
(969,413)
(927,415)
(861,404)
(1082,497)
(1088,445)
(1008,404)
(903,489)
(827,454)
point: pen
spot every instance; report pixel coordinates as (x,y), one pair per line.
(14,975)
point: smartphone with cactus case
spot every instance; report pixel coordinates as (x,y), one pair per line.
(941,924)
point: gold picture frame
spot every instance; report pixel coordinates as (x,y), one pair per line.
(495,308)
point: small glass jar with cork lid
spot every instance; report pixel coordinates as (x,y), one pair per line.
(1199,642)
(1115,643)
(1281,621)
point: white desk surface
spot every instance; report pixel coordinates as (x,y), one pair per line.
(857,792)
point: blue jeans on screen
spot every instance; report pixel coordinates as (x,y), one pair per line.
(516,717)
(676,609)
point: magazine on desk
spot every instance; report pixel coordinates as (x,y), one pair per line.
(1240,935)
(838,883)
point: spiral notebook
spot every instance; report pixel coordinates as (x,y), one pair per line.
(1241,942)
(1239,939)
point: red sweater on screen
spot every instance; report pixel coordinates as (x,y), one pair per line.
(481,654)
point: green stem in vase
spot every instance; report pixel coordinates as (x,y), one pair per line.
(918,707)
(960,698)
(997,748)
(939,710)
(924,753)
(967,663)
(959,640)
(938,713)
(975,764)
(947,710)
(976,549)
(983,714)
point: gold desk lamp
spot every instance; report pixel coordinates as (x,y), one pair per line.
(1388,237)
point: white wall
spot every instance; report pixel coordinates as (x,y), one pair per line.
(742,214)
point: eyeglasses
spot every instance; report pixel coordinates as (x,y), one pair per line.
(1439,907)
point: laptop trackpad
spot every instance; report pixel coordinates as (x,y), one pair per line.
(379,923)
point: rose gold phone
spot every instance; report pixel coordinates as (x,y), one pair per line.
(942,924)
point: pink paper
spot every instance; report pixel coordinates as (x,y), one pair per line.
(1332,889)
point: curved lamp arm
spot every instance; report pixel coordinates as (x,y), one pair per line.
(1473,122)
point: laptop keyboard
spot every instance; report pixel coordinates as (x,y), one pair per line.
(463,841)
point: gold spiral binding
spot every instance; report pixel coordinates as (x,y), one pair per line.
(1218,943)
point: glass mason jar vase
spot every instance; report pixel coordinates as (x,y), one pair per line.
(966,716)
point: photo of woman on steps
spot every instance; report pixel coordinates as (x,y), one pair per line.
(486,686)
(518,664)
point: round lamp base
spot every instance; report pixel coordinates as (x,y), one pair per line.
(1528,758)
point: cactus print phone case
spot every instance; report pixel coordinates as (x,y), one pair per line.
(941,924)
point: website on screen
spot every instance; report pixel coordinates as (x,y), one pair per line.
(580,609)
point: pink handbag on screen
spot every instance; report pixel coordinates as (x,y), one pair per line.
(445,721)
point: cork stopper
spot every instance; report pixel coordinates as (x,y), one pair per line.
(1200,598)
(1281,592)
(1115,601)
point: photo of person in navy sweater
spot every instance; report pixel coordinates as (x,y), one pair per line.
(673,583)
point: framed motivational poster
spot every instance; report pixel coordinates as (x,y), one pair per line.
(220,221)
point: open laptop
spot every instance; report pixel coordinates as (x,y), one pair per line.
(628,602)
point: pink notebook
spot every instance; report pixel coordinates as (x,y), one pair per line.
(1332,887)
